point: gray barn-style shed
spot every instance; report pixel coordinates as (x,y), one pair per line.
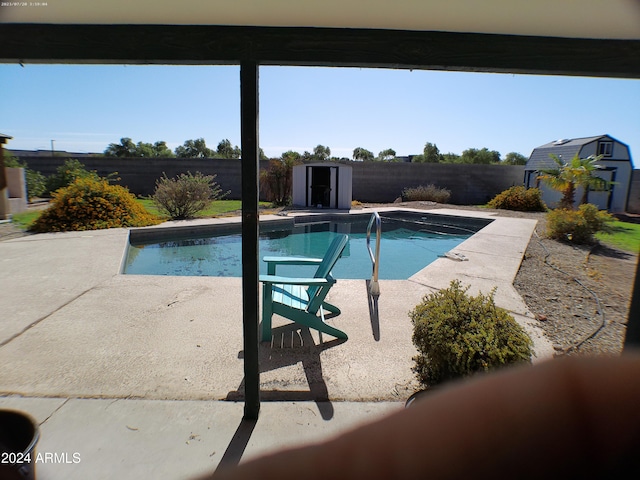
(616,167)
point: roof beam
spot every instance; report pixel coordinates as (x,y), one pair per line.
(193,44)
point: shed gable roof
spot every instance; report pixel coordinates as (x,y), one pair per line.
(566,149)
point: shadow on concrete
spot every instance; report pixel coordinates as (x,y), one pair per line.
(237,445)
(292,344)
(374,316)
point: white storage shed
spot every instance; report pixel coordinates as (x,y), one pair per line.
(322,185)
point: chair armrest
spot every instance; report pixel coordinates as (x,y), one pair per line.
(295,281)
(292,260)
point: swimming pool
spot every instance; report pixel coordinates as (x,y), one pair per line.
(409,242)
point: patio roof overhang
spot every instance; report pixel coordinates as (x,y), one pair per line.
(551,37)
(613,19)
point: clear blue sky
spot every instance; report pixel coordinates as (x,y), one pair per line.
(84,108)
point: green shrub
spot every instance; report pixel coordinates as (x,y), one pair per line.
(458,335)
(66,174)
(36,183)
(92,204)
(186,195)
(520,199)
(578,226)
(276,182)
(429,193)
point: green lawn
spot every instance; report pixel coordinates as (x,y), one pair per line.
(25,219)
(217,209)
(625,236)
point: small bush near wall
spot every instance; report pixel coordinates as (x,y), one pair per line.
(429,193)
(276,182)
(92,204)
(519,198)
(578,226)
(66,174)
(186,195)
(458,335)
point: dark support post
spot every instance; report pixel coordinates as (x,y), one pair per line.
(250,290)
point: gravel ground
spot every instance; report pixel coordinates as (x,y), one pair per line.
(579,294)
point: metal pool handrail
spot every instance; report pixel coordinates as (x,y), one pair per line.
(374,286)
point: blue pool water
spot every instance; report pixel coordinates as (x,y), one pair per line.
(407,246)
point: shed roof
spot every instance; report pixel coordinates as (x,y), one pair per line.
(564,148)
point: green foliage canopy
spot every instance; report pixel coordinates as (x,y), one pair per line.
(362,154)
(127,148)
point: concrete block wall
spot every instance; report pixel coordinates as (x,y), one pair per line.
(372,181)
(633,202)
(469,184)
(139,175)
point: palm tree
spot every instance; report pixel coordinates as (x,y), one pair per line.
(587,179)
(566,177)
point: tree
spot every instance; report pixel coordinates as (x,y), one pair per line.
(450,158)
(226,150)
(126,148)
(566,177)
(587,179)
(290,157)
(194,149)
(321,153)
(362,154)
(514,158)
(387,155)
(430,154)
(160,149)
(483,156)
(277,180)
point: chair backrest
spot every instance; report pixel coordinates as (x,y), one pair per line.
(330,258)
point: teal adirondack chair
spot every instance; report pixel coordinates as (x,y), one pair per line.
(301,299)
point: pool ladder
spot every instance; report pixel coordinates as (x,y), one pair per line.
(374,286)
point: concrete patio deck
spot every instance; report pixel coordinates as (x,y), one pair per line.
(143,375)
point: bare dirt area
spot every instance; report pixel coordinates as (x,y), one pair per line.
(579,294)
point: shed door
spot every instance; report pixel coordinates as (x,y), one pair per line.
(601,198)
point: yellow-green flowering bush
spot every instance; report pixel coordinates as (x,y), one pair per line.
(92,204)
(578,226)
(520,199)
